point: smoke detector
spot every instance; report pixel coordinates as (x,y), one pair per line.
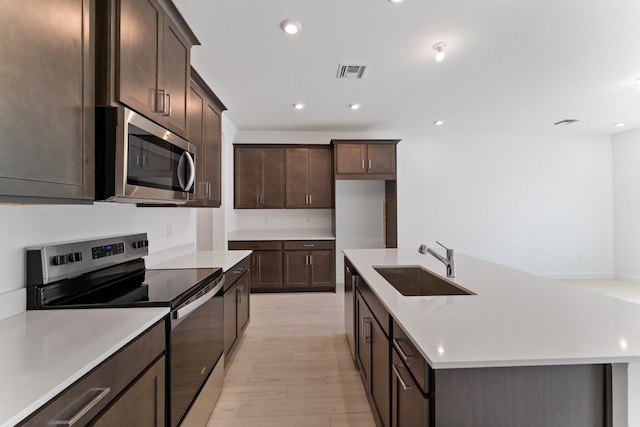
(351,71)
(566,122)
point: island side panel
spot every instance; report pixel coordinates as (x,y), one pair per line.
(528,396)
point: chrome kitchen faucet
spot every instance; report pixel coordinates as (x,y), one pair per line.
(448,261)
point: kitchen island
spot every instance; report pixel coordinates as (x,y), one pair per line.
(515,322)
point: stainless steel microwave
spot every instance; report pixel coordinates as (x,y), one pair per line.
(138,161)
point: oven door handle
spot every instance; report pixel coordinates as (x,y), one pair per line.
(191,307)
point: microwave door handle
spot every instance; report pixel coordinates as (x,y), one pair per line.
(185,160)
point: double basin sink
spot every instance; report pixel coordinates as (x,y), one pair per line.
(412,280)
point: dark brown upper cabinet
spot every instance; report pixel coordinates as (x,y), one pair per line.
(47,83)
(143,49)
(204,131)
(365,159)
(259,177)
(309,178)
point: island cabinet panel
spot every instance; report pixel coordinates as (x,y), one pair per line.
(204,130)
(237,290)
(365,159)
(309,265)
(570,395)
(259,178)
(47,81)
(309,178)
(126,389)
(373,355)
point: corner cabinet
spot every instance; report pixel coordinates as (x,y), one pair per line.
(259,178)
(143,50)
(365,159)
(126,389)
(204,131)
(47,81)
(236,304)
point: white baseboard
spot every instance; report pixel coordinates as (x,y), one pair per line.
(628,278)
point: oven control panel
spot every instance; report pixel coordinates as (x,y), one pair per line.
(107,250)
(57,261)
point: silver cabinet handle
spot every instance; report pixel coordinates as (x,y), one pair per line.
(308,245)
(310,200)
(239,294)
(311,259)
(366,331)
(405,356)
(396,371)
(164,101)
(100,393)
(369,159)
(306,199)
(169,114)
(238,271)
(362,163)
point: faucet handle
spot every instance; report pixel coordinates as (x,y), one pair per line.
(444,246)
(422,249)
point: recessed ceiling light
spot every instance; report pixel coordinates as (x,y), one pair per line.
(395,1)
(298,105)
(354,106)
(619,124)
(290,26)
(439,48)
(438,123)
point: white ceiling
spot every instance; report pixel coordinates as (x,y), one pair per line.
(510,66)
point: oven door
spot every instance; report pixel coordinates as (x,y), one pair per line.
(196,345)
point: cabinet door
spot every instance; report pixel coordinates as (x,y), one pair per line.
(350,158)
(266,270)
(175,79)
(409,407)
(380,366)
(320,181)
(381,158)
(143,404)
(322,265)
(243,314)
(47,86)
(272,178)
(297,178)
(364,319)
(140,53)
(230,317)
(212,156)
(296,268)
(247,178)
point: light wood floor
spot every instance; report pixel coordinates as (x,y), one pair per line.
(293,367)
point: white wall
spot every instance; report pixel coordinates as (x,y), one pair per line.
(26,225)
(540,203)
(626,196)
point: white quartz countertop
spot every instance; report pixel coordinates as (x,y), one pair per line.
(43,352)
(301,234)
(201,259)
(516,318)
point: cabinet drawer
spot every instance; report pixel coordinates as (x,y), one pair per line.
(308,245)
(234,273)
(103,384)
(265,245)
(379,311)
(411,357)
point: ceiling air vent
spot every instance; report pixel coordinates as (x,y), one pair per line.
(351,71)
(566,122)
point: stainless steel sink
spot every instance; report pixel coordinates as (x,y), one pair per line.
(412,280)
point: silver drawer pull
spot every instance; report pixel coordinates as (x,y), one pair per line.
(238,271)
(308,246)
(404,385)
(101,393)
(405,356)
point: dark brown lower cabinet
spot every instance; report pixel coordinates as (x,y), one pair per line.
(266,263)
(309,265)
(409,405)
(128,389)
(373,360)
(236,304)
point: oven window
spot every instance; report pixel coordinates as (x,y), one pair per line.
(153,162)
